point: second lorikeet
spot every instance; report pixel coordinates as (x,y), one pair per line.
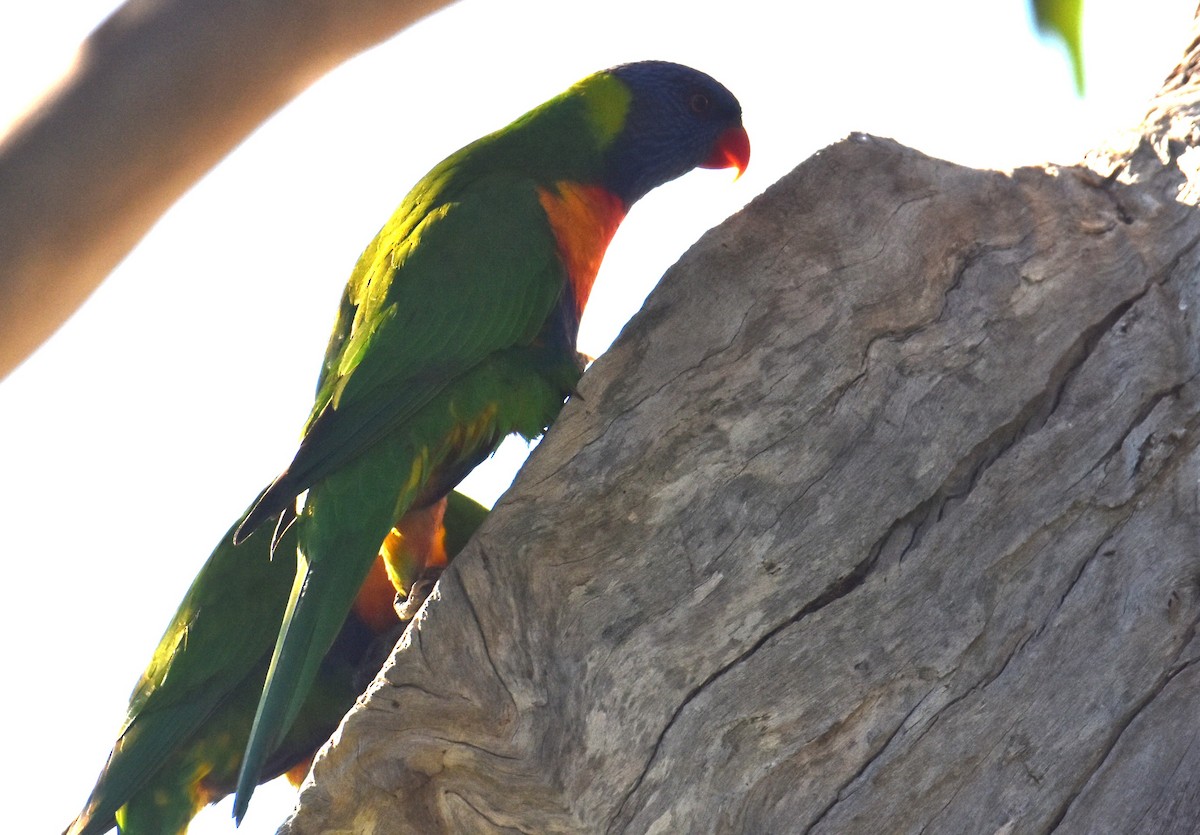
(458,328)
(189,716)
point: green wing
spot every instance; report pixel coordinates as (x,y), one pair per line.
(190,714)
(429,300)
(223,629)
(463,309)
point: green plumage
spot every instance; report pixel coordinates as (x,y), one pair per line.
(458,327)
(190,715)
(465,267)
(474,375)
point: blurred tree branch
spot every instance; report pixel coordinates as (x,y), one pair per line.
(160,92)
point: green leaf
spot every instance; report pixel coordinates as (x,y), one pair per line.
(1064,19)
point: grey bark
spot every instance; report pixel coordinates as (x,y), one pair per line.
(882,515)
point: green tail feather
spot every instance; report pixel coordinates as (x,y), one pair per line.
(321,598)
(191,712)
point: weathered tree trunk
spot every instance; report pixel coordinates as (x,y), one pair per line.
(883,515)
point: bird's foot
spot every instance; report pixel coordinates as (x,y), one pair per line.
(407,607)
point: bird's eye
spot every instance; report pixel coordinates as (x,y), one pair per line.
(699,103)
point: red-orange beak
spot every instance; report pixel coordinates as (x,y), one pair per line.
(731,151)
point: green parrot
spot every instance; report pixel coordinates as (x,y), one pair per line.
(189,716)
(458,328)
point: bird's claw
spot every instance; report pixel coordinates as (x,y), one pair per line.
(407,607)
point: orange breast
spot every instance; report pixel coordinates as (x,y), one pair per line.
(584,220)
(414,549)
(374,604)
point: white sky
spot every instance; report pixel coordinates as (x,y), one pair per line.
(132,440)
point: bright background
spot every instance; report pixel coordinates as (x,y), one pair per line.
(133,438)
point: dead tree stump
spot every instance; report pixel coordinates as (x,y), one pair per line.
(883,515)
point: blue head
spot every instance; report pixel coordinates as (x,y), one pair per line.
(677,119)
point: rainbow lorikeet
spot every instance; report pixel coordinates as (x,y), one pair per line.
(189,716)
(458,328)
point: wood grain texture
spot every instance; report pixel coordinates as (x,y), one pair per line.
(882,515)
(885,508)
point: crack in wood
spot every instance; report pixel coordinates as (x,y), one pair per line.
(1118,731)
(841,792)
(834,591)
(491,820)
(478,624)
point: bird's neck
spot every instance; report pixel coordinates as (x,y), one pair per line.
(584,219)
